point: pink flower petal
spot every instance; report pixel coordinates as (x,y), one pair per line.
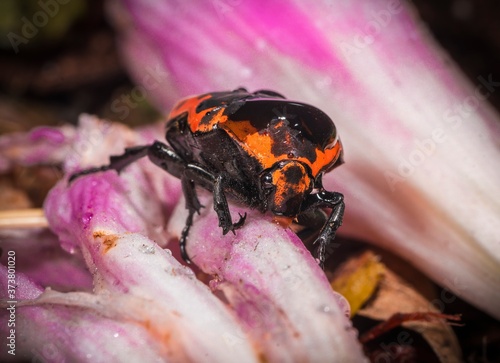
(111,220)
(40,257)
(70,327)
(421,142)
(275,286)
(42,145)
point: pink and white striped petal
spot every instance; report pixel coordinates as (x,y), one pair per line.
(421,141)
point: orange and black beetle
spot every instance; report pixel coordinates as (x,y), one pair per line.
(261,149)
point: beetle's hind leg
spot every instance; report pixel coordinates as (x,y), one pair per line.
(118,162)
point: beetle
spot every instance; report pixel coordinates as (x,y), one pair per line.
(259,148)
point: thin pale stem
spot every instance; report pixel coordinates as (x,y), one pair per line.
(22,218)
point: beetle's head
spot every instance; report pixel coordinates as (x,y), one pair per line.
(284,187)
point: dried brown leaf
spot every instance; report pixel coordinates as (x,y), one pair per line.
(395,296)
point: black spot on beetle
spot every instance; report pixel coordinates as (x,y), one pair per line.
(293,174)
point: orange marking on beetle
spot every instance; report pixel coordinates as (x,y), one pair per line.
(288,191)
(254,143)
(216,119)
(189,106)
(283,186)
(260,146)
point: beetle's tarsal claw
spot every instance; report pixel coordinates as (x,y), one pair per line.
(198,210)
(241,221)
(239,224)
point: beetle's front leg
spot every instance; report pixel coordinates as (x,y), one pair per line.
(194,174)
(332,200)
(222,208)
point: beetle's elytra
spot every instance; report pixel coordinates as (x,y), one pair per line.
(258,148)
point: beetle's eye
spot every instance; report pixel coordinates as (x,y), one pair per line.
(267,181)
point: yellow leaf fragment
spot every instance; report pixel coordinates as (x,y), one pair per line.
(358,278)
